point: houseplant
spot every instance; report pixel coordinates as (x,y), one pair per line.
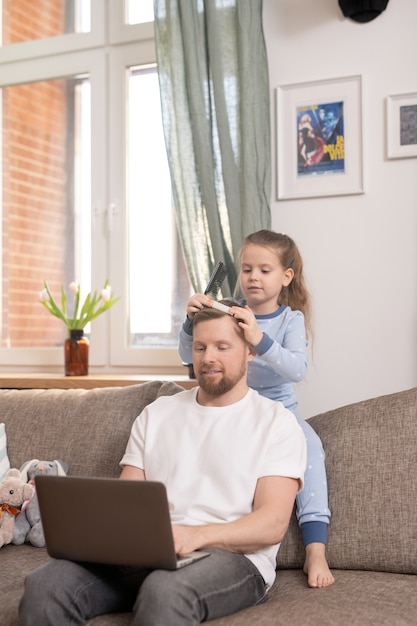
(76,346)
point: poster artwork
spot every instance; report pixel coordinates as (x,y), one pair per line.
(408,125)
(321,139)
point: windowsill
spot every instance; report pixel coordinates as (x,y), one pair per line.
(57,381)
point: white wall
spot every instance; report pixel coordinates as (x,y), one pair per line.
(360,251)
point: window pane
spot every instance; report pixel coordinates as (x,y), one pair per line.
(139,11)
(37,19)
(45,203)
(159,286)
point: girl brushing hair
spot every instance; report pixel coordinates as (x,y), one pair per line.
(276,319)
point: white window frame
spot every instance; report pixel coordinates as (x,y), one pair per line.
(120,32)
(146,359)
(60,44)
(92,63)
(64,56)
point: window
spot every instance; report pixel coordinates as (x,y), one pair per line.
(60,17)
(156,296)
(139,12)
(45,201)
(86,193)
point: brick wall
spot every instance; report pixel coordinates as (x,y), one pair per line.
(34,186)
(25,21)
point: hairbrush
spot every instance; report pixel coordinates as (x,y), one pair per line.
(216,280)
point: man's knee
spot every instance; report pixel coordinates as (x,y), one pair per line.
(38,590)
(40,581)
(167,597)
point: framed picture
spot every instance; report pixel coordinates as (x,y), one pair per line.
(402,126)
(319,138)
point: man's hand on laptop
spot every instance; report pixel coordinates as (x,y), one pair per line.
(187,538)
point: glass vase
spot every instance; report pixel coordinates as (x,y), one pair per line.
(76,353)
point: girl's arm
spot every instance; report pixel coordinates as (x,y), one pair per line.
(197,302)
(185,342)
(288,359)
(285,353)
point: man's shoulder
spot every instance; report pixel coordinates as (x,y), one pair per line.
(166,406)
(184,396)
(262,405)
(257,398)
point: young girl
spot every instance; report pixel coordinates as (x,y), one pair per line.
(276,320)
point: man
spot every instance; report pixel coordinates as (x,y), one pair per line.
(232,462)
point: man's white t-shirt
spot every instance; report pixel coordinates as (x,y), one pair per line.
(210,458)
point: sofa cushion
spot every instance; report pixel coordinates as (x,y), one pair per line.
(371,458)
(16,562)
(86,428)
(356,599)
(379,598)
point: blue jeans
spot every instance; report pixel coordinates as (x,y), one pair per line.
(62,592)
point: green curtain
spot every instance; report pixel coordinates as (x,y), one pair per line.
(213,77)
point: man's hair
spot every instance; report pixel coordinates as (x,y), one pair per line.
(211,313)
(208,313)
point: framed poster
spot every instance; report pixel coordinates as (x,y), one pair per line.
(402,126)
(319,138)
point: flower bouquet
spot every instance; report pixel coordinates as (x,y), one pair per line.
(76,345)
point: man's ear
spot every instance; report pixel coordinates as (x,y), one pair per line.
(251,353)
(288,276)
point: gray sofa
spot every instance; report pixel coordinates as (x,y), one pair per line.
(371,458)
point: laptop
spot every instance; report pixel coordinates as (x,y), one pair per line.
(109,520)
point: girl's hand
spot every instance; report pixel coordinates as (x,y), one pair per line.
(197,302)
(247,321)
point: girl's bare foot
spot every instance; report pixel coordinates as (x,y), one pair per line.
(316,566)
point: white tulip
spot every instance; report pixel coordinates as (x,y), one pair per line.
(106,293)
(43,296)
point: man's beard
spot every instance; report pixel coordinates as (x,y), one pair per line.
(222,386)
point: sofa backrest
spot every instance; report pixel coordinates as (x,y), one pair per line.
(88,429)
(371,461)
